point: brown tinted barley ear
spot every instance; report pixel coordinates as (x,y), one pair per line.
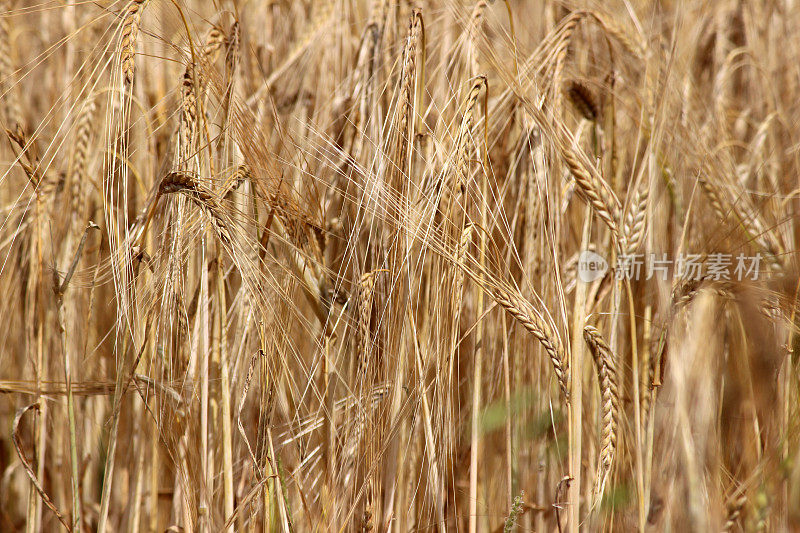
(583,99)
(607,380)
(188,127)
(232,48)
(128,35)
(29,150)
(367,521)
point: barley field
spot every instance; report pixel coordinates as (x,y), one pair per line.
(390,266)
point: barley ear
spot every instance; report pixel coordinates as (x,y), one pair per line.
(607,380)
(128,35)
